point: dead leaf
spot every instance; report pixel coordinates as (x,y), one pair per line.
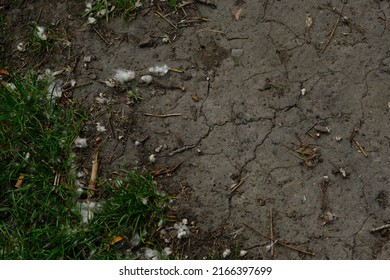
(305,150)
(4,72)
(312,160)
(116,239)
(237,14)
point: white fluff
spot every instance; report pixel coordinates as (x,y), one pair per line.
(151,254)
(41,33)
(182,230)
(55,90)
(92,20)
(243,253)
(226,253)
(100,128)
(167,251)
(146,79)
(102,99)
(80,142)
(124,76)
(136,240)
(159,70)
(87,210)
(152,158)
(21,47)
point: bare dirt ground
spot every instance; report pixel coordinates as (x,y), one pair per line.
(280,125)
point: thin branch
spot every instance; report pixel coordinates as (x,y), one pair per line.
(162,115)
(279,242)
(334,28)
(380,228)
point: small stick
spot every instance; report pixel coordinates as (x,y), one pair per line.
(271,231)
(209,30)
(185,4)
(77,86)
(176,70)
(95,167)
(167,20)
(360,147)
(334,28)
(101,36)
(380,228)
(162,115)
(294,152)
(181,150)
(57,179)
(39,16)
(207,3)
(237,38)
(279,242)
(165,170)
(234,187)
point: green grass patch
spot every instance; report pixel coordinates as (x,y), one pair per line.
(41,218)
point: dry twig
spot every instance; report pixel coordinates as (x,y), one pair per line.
(280,242)
(334,28)
(360,147)
(77,86)
(271,230)
(162,115)
(95,167)
(167,20)
(101,36)
(235,186)
(167,171)
(207,3)
(181,150)
(380,228)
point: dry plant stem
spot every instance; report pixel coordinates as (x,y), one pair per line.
(181,6)
(237,38)
(101,36)
(181,150)
(167,20)
(334,28)
(163,115)
(236,186)
(95,167)
(210,30)
(279,242)
(380,228)
(168,170)
(360,147)
(271,230)
(207,3)
(57,179)
(78,86)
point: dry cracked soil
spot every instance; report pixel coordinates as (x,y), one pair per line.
(271,123)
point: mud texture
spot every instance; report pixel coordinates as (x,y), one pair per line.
(281,124)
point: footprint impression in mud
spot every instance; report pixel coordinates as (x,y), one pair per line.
(210,54)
